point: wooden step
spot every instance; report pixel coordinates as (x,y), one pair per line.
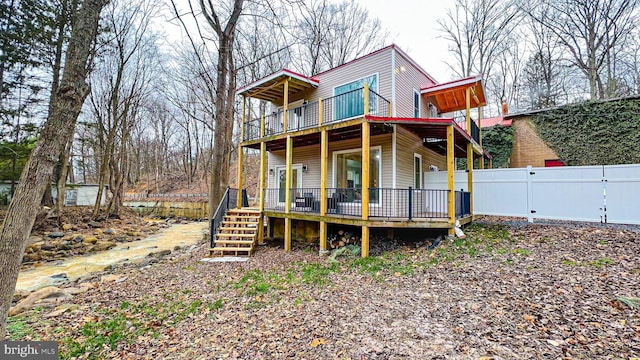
(244,210)
(235,242)
(241,218)
(236,251)
(226,229)
(234,235)
(229,222)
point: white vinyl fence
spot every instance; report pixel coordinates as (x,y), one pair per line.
(609,193)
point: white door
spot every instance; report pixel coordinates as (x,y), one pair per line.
(296,182)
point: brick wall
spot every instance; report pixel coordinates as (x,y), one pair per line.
(528,147)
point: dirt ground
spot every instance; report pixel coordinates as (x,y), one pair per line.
(507,291)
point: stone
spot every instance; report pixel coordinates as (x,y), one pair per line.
(59,310)
(90,240)
(56,234)
(112,278)
(77,238)
(64,246)
(94,224)
(48,247)
(32,257)
(160,254)
(98,232)
(109,232)
(34,240)
(50,294)
(103,245)
(67,227)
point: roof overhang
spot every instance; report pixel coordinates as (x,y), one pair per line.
(451,96)
(271,88)
(433,132)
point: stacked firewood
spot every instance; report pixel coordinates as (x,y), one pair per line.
(343,238)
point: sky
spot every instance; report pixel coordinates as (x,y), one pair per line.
(412,26)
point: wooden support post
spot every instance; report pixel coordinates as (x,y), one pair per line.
(468,110)
(451,168)
(288,174)
(366,153)
(365,242)
(241,152)
(285,107)
(480,129)
(324,163)
(287,234)
(366,98)
(320,112)
(262,186)
(323,237)
(470,175)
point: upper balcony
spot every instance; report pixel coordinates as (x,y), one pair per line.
(335,109)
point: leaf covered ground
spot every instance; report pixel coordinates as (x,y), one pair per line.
(504,292)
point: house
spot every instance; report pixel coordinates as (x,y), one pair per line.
(349,146)
(599,132)
(75,194)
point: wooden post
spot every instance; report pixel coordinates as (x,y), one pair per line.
(263,181)
(320,112)
(470,175)
(287,205)
(323,237)
(468,110)
(241,152)
(285,107)
(324,163)
(480,137)
(451,167)
(366,98)
(365,241)
(366,152)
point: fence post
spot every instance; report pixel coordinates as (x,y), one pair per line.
(529,194)
(410,203)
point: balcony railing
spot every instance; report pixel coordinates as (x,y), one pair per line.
(475,130)
(406,204)
(334,109)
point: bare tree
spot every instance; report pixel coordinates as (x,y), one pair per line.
(589,31)
(57,130)
(478,31)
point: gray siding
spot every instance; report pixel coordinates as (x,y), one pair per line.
(310,156)
(406,81)
(407,144)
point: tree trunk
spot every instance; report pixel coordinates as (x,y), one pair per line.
(62,181)
(57,132)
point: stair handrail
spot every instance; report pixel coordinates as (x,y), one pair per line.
(229,200)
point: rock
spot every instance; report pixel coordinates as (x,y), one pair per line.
(77,238)
(148,261)
(109,232)
(112,278)
(75,290)
(34,239)
(94,224)
(67,227)
(59,310)
(56,234)
(177,248)
(20,294)
(102,246)
(49,294)
(64,246)
(90,240)
(48,247)
(98,232)
(160,254)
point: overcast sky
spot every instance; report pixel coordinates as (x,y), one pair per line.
(412,26)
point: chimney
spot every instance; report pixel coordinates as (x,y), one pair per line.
(505,107)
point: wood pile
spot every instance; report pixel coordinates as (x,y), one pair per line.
(343,238)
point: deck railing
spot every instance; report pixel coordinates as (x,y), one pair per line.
(475,130)
(387,203)
(334,109)
(463,203)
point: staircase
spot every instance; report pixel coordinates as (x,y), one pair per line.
(237,233)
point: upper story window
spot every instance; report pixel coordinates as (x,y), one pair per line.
(349,98)
(416,103)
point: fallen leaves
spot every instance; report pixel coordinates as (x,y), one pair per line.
(317,342)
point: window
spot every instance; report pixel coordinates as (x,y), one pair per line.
(417,171)
(348,174)
(416,103)
(349,100)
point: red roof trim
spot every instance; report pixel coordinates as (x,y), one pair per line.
(453,83)
(275,75)
(428,121)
